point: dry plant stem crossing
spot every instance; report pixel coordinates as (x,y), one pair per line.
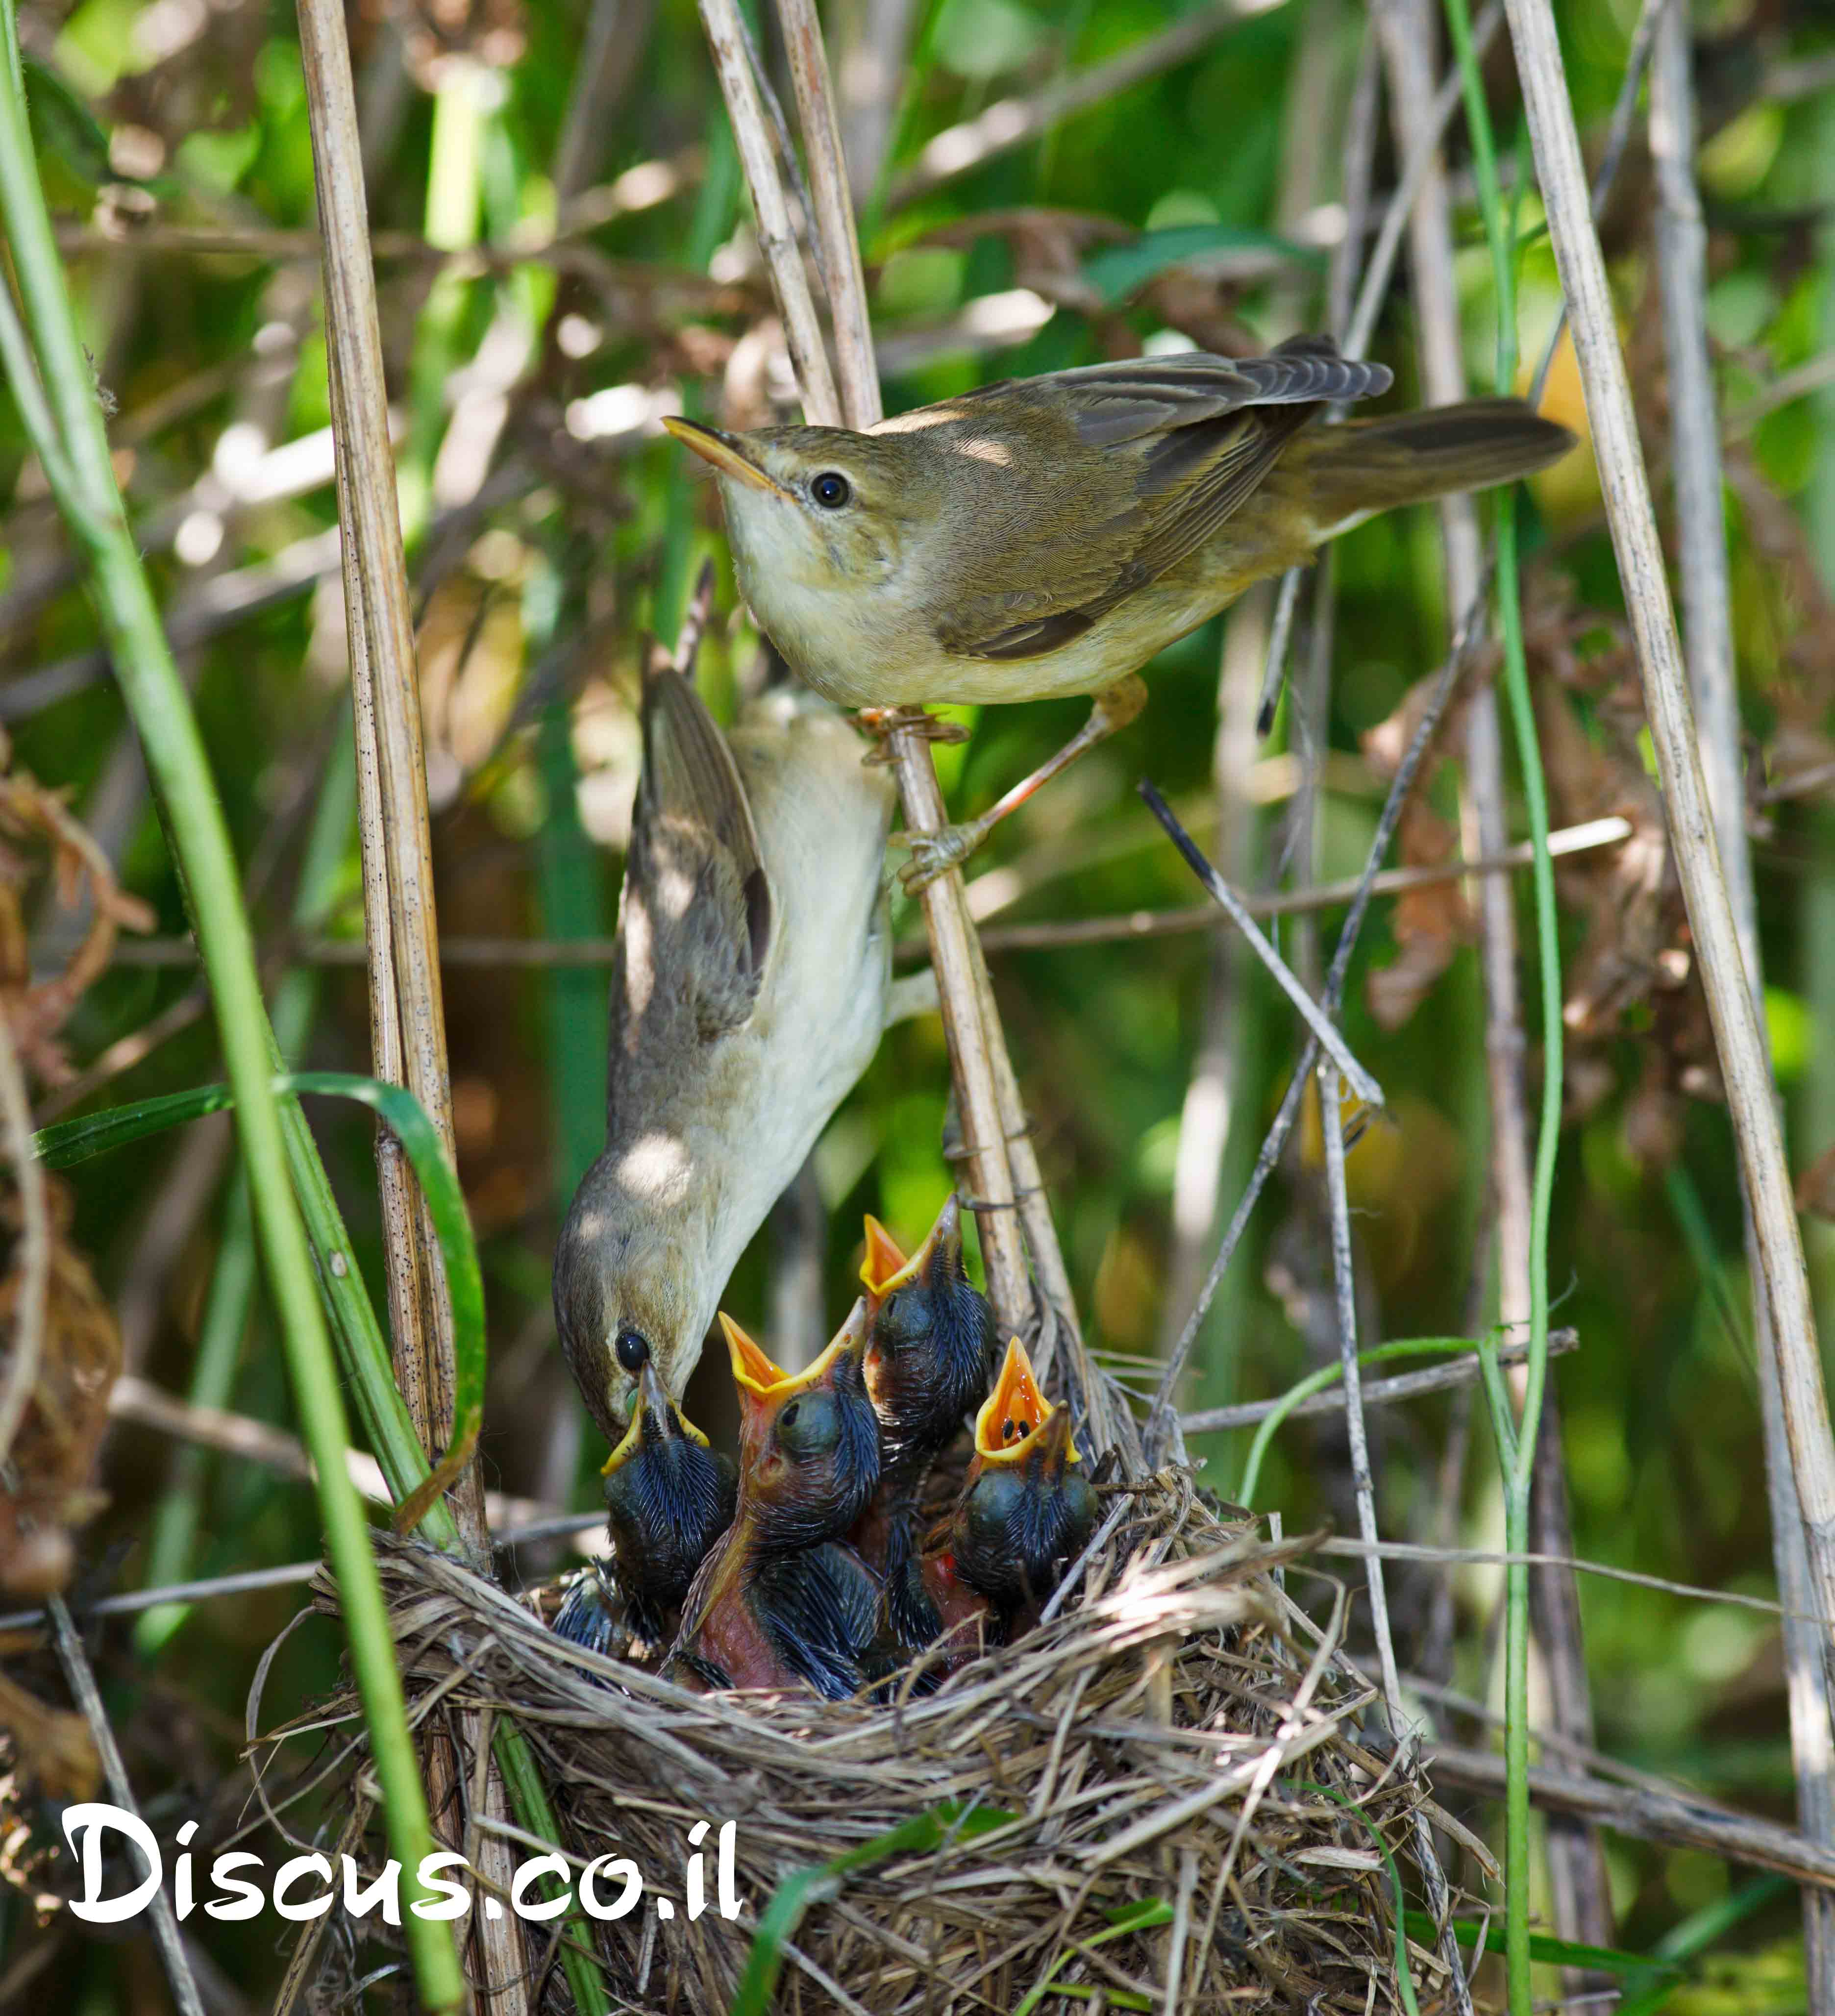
(1682,254)
(1334,1045)
(1629,514)
(81,1677)
(1344,1281)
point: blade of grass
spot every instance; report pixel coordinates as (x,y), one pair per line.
(1555,1952)
(367,1366)
(171,1539)
(74,452)
(1155,1911)
(71,1141)
(1405,1980)
(924,1833)
(1694,1934)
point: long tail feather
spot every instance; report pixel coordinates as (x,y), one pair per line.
(1368,466)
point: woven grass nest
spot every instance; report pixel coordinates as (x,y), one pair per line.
(1159,1798)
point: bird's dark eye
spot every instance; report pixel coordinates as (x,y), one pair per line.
(633,1348)
(831,490)
(788,1418)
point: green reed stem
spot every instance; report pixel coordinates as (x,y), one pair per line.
(65,416)
(1517,1443)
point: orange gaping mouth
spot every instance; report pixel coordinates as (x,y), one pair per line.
(1014,1412)
(754,1373)
(885,1266)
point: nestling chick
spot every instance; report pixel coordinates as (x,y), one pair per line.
(1026,1510)
(779,1601)
(1048,536)
(927,1364)
(748,994)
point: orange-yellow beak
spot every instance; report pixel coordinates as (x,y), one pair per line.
(725,454)
(758,1378)
(886,1267)
(652,1398)
(1016,1419)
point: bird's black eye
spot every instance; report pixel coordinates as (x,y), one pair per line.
(831,490)
(788,1418)
(633,1348)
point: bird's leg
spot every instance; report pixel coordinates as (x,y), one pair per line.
(934,854)
(882,723)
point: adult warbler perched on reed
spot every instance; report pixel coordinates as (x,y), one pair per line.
(1048,536)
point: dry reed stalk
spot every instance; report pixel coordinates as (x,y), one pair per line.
(948,918)
(1408,31)
(1682,254)
(27,1343)
(408,1023)
(1738,1042)
(1681,1819)
(952,954)
(407,1012)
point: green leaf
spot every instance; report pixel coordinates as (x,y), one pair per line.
(922,1834)
(63,127)
(73,1141)
(1120,272)
(1543,1946)
(1123,1919)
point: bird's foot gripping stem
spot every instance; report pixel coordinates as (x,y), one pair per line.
(882,723)
(935,854)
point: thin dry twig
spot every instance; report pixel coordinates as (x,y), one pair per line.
(1344,1281)
(75,1663)
(1738,1042)
(1682,254)
(1426,728)
(1377,1393)
(34,1258)
(1237,911)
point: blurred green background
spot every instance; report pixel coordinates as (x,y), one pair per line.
(565,254)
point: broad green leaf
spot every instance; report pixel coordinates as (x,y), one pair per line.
(72,1141)
(1120,272)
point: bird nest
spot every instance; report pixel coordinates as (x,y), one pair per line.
(1162,1797)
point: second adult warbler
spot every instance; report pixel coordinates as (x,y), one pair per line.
(1047,536)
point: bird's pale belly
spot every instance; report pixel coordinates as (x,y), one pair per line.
(883,671)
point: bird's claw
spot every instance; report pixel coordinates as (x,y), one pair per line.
(934,855)
(882,723)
